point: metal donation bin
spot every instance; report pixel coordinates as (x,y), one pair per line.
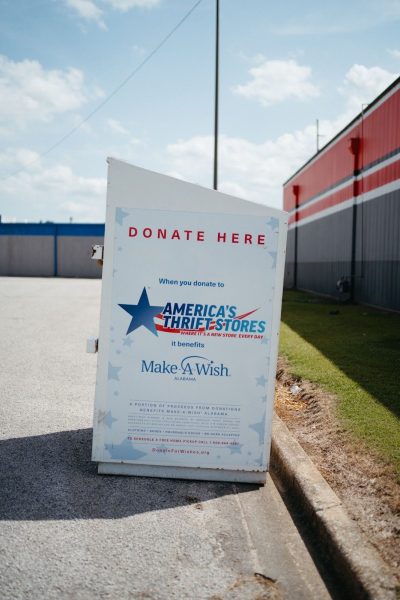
(190,312)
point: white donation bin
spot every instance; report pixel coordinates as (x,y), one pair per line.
(189,326)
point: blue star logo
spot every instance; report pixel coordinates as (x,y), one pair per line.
(261,381)
(142,314)
(235,448)
(124,451)
(113,372)
(120,215)
(106,418)
(260,461)
(260,429)
(273,223)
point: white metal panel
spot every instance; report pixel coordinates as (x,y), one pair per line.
(197,393)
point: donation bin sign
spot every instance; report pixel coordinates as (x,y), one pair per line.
(190,311)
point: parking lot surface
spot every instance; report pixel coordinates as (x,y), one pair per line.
(67,532)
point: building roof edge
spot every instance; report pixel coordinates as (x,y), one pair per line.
(348,126)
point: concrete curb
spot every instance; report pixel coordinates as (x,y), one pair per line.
(354,561)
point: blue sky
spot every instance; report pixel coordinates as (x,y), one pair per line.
(283,65)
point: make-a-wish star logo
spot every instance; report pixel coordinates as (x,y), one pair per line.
(142,314)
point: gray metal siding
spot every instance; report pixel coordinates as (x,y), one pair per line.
(289,263)
(324,253)
(27,255)
(73,257)
(378,252)
(49,249)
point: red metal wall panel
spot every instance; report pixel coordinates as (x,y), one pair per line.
(382,177)
(379,131)
(327,202)
(332,166)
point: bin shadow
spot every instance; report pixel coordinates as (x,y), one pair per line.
(52,477)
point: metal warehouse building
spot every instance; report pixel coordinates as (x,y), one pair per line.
(344,205)
(49,249)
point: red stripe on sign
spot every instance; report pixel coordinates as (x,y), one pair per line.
(212,326)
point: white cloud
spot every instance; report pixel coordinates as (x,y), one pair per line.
(125,5)
(78,120)
(256,171)
(87,10)
(394,53)
(115,127)
(28,92)
(363,84)
(276,80)
(53,189)
(90,11)
(249,170)
(138,50)
(235,189)
(19,158)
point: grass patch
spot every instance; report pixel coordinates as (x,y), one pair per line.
(354,352)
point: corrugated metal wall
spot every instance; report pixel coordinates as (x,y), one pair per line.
(49,249)
(344,207)
(377,279)
(28,255)
(324,253)
(289,277)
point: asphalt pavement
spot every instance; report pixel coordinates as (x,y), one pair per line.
(67,532)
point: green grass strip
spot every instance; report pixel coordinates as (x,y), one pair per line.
(354,352)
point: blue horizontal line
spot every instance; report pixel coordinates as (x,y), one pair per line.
(53,229)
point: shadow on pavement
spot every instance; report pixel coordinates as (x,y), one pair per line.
(51,477)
